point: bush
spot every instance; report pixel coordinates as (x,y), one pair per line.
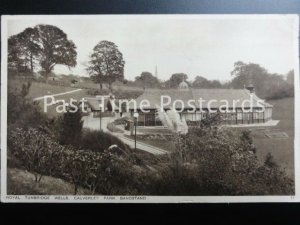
(98,141)
(108,172)
(22,111)
(221,162)
(36,151)
(70,128)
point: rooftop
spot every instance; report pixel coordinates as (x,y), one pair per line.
(219,96)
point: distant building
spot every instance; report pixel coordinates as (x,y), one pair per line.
(93,105)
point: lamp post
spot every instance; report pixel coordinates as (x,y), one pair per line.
(100,119)
(135,116)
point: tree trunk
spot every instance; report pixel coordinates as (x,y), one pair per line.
(31,63)
(110,86)
(100,84)
(75,189)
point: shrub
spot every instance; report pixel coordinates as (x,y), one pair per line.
(218,162)
(70,128)
(22,111)
(37,152)
(98,141)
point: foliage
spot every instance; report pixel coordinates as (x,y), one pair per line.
(46,44)
(55,48)
(23,50)
(98,141)
(214,162)
(36,150)
(146,79)
(218,162)
(201,82)
(269,86)
(107,172)
(106,63)
(22,111)
(175,80)
(211,120)
(70,127)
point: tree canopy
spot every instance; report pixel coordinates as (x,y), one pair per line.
(55,48)
(106,63)
(46,44)
(23,50)
(176,79)
(146,79)
(267,85)
(201,82)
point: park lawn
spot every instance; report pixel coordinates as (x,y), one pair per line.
(52,110)
(282,149)
(39,89)
(42,89)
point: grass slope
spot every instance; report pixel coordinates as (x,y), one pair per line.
(21,182)
(281,148)
(39,89)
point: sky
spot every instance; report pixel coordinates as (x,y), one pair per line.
(207,46)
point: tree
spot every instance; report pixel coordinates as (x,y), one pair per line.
(106,64)
(267,85)
(176,79)
(70,128)
(147,80)
(55,48)
(201,82)
(46,44)
(245,74)
(23,50)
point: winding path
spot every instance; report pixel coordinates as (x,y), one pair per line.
(93,123)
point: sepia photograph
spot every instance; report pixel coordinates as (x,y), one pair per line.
(149,108)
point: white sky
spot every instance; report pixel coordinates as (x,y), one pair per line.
(195,45)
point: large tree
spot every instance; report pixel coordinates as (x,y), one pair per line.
(46,44)
(267,85)
(147,80)
(23,50)
(55,48)
(106,64)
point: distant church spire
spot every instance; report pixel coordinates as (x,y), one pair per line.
(156,72)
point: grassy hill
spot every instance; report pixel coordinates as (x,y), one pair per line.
(21,182)
(39,89)
(281,148)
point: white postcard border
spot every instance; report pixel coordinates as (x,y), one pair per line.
(142,199)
